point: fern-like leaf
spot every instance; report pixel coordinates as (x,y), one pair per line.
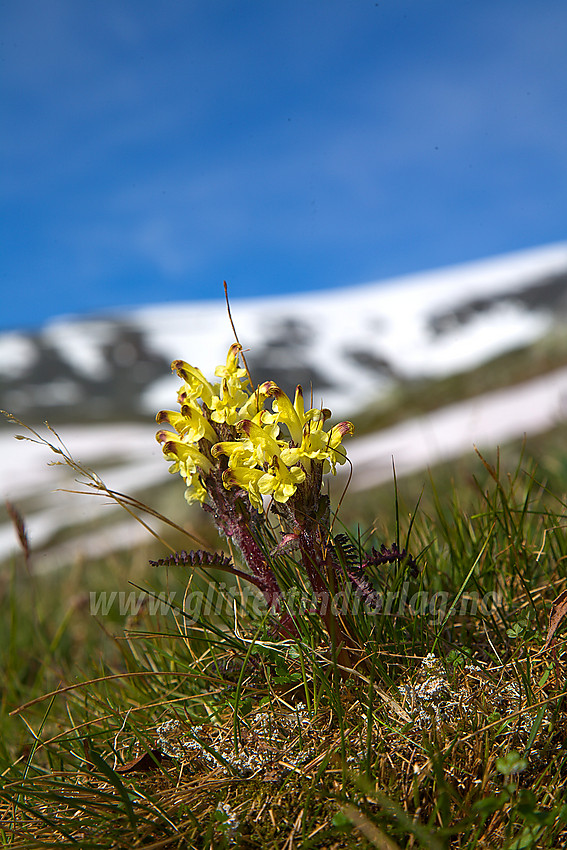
(199,558)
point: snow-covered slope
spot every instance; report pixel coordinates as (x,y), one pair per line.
(129,459)
(350,345)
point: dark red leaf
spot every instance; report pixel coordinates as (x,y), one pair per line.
(144,763)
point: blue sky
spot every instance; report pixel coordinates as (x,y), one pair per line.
(151,149)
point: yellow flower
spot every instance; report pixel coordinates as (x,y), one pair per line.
(260,461)
(255,464)
(190,423)
(239,452)
(308,439)
(263,445)
(187,459)
(224,406)
(195,386)
(195,491)
(253,407)
(294,417)
(335,451)
(277,481)
(234,392)
(247,479)
(232,373)
(280,482)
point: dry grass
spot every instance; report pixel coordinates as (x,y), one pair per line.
(448,731)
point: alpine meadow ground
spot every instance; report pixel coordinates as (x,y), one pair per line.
(298,669)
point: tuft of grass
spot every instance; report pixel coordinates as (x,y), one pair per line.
(184,725)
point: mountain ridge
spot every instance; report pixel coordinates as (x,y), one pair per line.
(348,346)
(100,381)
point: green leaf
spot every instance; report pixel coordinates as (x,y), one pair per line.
(512,762)
(341,821)
(489,805)
(114,779)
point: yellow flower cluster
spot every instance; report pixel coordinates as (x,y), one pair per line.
(260,460)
